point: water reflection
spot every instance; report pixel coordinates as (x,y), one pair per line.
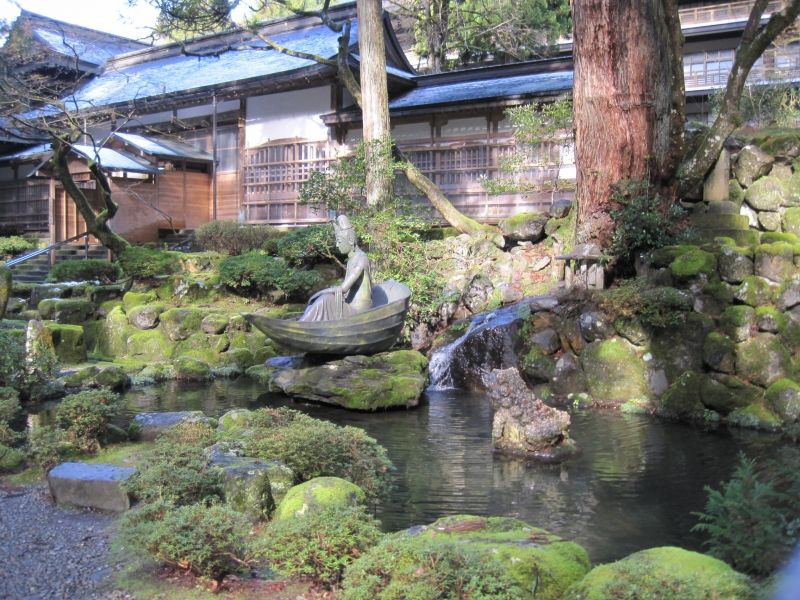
(633,486)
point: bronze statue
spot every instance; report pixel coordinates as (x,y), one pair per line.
(354,294)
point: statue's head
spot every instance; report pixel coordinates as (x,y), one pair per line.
(345,234)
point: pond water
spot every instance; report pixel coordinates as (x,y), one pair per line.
(633,486)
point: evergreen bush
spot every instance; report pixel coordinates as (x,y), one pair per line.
(753,520)
(85,417)
(257,274)
(14,244)
(232,238)
(85,270)
(307,246)
(146,263)
(318,544)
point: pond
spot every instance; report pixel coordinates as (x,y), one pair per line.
(633,486)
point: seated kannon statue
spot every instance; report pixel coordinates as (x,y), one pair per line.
(354,294)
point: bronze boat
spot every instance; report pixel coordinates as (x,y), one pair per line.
(369,332)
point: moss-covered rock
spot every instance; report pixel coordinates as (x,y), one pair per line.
(679,348)
(791,220)
(614,371)
(783,397)
(150,346)
(665,573)
(542,563)
(200,346)
(762,360)
(538,366)
(243,358)
(777,141)
(769,221)
(246,485)
(738,322)
(766,194)
(756,291)
(112,377)
(133,299)
(80,378)
(775,261)
(663,257)
(72,311)
(772,237)
(735,191)
(770,319)
(724,393)
(112,336)
(385,380)
(145,316)
(235,420)
(692,263)
(261,374)
(251,340)
(319,493)
(69,343)
(683,399)
(719,352)
(214,323)
(6,284)
(755,416)
(191,369)
(526,226)
(751,164)
(180,323)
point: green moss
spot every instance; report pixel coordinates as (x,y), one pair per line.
(614,372)
(191,369)
(131,299)
(772,237)
(260,373)
(773,314)
(776,141)
(735,191)
(719,352)
(683,399)
(791,220)
(81,377)
(777,249)
(201,347)
(755,416)
(319,493)
(69,343)
(241,357)
(666,573)
(725,393)
(762,359)
(783,397)
(150,345)
(692,263)
(536,559)
(663,257)
(112,337)
(756,291)
(719,291)
(180,323)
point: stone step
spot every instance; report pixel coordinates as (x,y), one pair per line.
(749,237)
(92,486)
(722,207)
(719,221)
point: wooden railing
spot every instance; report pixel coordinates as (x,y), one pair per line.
(722,13)
(25,204)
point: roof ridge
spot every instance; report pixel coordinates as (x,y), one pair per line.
(28,13)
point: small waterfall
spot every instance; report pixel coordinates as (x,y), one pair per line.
(439,366)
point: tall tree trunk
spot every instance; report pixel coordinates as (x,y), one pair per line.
(374,102)
(96,222)
(755,39)
(437,29)
(622,96)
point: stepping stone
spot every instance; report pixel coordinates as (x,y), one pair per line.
(93,486)
(153,424)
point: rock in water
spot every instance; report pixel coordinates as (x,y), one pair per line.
(523,424)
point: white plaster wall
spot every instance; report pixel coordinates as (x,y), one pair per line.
(208,109)
(287,115)
(161,117)
(470,126)
(411,131)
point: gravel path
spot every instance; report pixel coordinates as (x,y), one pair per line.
(47,551)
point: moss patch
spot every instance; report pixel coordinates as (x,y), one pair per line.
(614,372)
(319,493)
(692,263)
(69,342)
(755,416)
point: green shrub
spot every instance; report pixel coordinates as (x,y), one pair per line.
(210,541)
(652,306)
(753,520)
(176,469)
(408,568)
(307,246)
(145,263)
(258,274)
(10,458)
(230,237)
(643,222)
(11,245)
(85,417)
(314,448)
(319,544)
(85,270)
(12,358)
(31,376)
(9,409)
(47,446)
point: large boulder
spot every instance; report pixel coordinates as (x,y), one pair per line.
(133,299)
(527,226)
(775,261)
(725,393)
(666,573)
(69,343)
(751,164)
(766,194)
(683,399)
(152,424)
(94,486)
(783,397)
(738,322)
(762,360)
(112,337)
(719,352)
(73,311)
(179,323)
(149,345)
(755,291)
(543,564)
(145,316)
(317,494)
(385,380)
(734,263)
(614,372)
(523,424)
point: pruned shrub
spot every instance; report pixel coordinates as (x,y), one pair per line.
(257,274)
(14,244)
(403,567)
(753,520)
(318,544)
(85,417)
(176,469)
(230,237)
(210,541)
(314,448)
(9,409)
(32,376)
(47,446)
(307,246)
(85,270)
(146,263)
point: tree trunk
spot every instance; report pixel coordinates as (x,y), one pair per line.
(96,222)
(755,39)
(437,26)
(622,97)
(374,103)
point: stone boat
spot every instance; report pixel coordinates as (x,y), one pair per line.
(368,332)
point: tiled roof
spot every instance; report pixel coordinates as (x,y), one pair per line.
(163,148)
(113,160)
(484,89)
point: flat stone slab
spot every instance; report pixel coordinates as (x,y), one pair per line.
(153,424)
(92,486)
